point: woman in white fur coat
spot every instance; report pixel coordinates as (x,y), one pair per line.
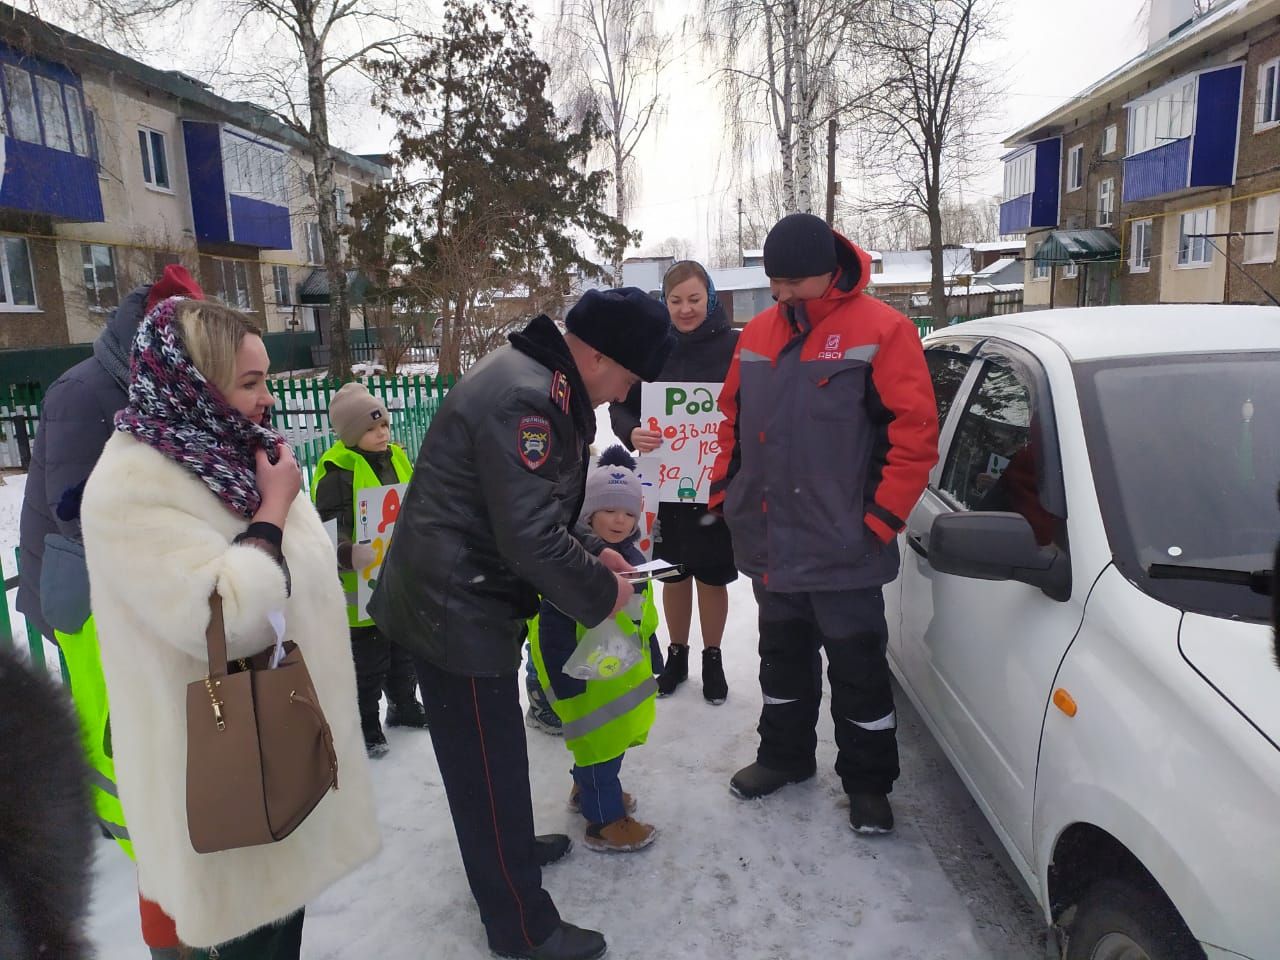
(186,500)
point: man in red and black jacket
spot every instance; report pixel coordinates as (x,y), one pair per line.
(829,435)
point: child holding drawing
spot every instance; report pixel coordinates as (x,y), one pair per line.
(613,710)
(362,458)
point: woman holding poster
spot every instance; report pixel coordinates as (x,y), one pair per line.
(686,533)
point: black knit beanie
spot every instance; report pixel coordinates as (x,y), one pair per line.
(799,245)
(627,325)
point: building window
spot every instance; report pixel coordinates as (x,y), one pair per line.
(22,104)
(1268,94)
(155,158)
(75,117)
(340,204)
(1075,167)
(1040,270)
(99,276)
(1109,140)
(18,289)
(253,169)
(280,280)
(1106,201)
(1262,219)
(1194,249)
(53,113)
(1070,270)
(1164,115)
(1020,175)
(1140,246)
(315,250)
(234,279)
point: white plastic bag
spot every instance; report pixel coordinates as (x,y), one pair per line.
(605,651)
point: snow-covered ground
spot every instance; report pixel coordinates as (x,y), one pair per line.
(782,877)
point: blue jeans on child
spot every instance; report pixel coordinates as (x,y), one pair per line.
(601,798)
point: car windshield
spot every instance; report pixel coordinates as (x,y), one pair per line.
(1186,453)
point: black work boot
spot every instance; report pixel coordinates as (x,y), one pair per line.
(550,847)
(870,813)
(758,780)
(676,670)
(715,689)
(408,714)
(567,942)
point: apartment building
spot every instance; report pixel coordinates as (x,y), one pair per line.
(1159,183)
(110,169)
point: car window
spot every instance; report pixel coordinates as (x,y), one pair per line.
(994,461)
(947,370)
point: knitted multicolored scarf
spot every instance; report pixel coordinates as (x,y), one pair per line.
(173,408)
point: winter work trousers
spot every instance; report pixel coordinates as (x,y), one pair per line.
(380,664)
(850,626)
(275,941)
(477,730)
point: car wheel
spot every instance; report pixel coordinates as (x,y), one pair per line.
(1121,920)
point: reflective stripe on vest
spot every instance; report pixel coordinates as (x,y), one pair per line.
(609,715)
(89,694)
(345,458)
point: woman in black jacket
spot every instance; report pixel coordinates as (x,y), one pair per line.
(687,534)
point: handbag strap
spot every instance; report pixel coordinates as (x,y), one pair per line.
(216,637)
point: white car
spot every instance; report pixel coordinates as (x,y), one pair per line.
(1082,616)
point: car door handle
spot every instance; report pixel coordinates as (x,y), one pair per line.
(916,543)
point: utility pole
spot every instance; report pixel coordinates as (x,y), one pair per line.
(742,260)
(831,172)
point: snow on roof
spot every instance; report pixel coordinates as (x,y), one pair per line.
(989,246)
(728,279)
(915,267)
(753,254)
(977,289)
(1001,264)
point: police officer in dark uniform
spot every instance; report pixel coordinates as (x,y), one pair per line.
(484,530)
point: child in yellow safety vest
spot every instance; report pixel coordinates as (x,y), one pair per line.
(602,717)
(365,457)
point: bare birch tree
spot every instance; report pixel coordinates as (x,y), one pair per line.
(611,57)
(924,96)
(782,57)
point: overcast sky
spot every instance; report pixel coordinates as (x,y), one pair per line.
(1048,51)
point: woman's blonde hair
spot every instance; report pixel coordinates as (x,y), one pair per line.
(212,332)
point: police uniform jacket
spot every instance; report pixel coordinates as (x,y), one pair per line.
(485,525)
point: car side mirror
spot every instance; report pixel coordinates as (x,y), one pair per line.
(997,546)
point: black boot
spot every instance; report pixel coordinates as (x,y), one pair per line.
(870,813)
(715,689)
(676,670)
(550,847)
(760,781)
(409,714)
(567,942)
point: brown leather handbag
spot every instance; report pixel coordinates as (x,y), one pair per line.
(260,754)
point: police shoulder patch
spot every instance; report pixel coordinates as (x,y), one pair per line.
(533,441)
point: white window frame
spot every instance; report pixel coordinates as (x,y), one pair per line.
(1140,246)
(1267,112)
(1107,202)
(1070,270)
(147,154)
(314,247)
(93,291)
(1195,254)
(340,205)
(1162,116)
(20,131)
(77,128)
(53,114)
(1040,271)
(236,281)
(1263,213)
(1020,175)
(1075,168)
(1109,139)
(283,291)
(6,285)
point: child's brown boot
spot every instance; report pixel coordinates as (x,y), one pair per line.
(575,800)
(622,836)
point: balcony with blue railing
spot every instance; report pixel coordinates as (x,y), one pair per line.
(238,187)
(47,162)
(1185,134)
(1031,184)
